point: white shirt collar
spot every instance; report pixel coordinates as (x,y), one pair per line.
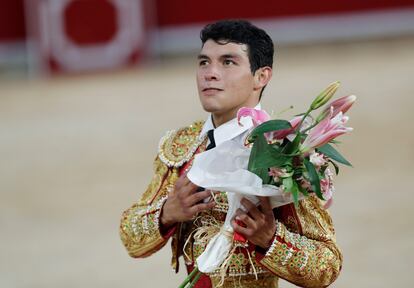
(228,130)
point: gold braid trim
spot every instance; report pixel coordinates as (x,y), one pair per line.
(177,147)
(310,259)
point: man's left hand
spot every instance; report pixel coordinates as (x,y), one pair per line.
(259,221)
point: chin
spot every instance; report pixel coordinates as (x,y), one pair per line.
(209,107)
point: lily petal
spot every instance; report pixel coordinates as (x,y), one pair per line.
(257,116)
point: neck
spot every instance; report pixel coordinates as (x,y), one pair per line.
(221,118)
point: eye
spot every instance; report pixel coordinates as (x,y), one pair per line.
(203,63)
(228,62)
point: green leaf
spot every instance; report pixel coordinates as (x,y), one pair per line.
(254,153)
(271,161)
(313,178)
(259,160)
(264,156)
(302,190)
(263,173)
(335,166)
(293,146)
(292,187)
(295,193)
(276,146)
(334,141)
(287,183)
(332,153)
(268,126)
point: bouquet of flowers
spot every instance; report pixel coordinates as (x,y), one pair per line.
(286,161)
(296,158)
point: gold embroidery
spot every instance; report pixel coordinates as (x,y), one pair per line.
(266,280)
(291,224)
(178,147)
(239,264)
(161,171)
(310,259)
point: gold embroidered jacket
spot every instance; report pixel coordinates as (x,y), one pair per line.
(303,252)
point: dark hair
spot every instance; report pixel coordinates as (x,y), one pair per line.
(260,45)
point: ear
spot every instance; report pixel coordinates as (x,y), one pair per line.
(262,76)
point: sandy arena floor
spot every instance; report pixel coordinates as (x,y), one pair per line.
(77,151)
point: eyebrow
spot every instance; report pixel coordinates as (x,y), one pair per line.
(202,56)
(224,56)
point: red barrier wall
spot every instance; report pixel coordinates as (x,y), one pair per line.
(182,12)
(12,20)
(176,12)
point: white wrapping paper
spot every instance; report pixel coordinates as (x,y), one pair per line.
(224,168)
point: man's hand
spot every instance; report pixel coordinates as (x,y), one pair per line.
(183,202)
(260,223)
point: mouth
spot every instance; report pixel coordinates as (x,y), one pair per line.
(211,89)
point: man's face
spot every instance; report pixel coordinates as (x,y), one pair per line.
(224,79)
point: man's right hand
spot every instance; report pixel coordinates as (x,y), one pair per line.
(184,202)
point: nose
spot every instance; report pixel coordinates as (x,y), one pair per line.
(211,73)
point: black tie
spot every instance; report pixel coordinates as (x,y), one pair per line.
(210,135)
(211,145)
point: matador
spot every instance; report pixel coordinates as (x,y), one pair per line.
(296,243)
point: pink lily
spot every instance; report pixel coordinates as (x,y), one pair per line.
(257,116)
(339,105)
(342,104)
(283,133)
(326,130)
(317,159)
(278,173)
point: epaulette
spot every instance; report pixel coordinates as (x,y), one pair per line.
(178,146)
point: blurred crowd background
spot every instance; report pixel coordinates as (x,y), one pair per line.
(88,87)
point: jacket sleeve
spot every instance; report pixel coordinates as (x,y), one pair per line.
(311,258)
(139,229)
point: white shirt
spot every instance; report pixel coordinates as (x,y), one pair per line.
(229,130)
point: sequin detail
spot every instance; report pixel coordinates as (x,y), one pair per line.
(239,264)
(178,147)
(265,280)
(149,218)
(305,261)
(304,251)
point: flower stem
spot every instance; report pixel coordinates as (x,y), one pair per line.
(303,119)
(195,279)
(195,272)
(310,127)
